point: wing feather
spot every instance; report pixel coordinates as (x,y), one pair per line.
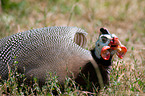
(80,39)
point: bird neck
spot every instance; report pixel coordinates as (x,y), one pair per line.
(101,60)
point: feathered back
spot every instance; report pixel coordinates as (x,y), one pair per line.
(49,49)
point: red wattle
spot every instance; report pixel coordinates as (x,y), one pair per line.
(121,53)
(105,53)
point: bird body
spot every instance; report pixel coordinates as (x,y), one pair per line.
(52,49)
(38,51)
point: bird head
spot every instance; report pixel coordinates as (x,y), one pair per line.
(108,44)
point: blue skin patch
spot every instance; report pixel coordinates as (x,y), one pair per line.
(102,41)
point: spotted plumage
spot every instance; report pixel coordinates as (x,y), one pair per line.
(54,49)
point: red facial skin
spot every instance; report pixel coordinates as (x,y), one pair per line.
(114,45)
(121,53)
(105,53)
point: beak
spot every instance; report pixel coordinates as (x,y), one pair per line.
(115,44)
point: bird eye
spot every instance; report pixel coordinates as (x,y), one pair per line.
(104,39)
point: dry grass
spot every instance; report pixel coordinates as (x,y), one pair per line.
(125,18)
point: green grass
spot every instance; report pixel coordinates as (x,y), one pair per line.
(124,18)
(12,86)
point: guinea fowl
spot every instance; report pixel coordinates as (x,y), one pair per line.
(60,50)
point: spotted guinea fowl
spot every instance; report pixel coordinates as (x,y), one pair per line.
(59,50)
